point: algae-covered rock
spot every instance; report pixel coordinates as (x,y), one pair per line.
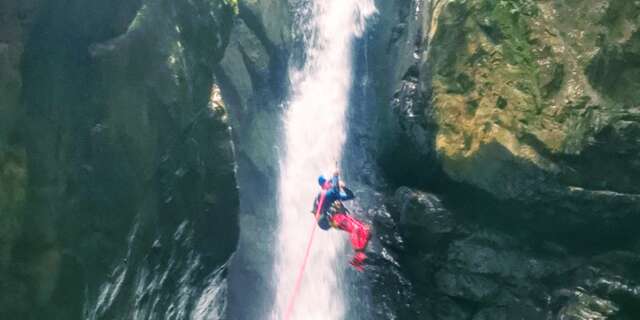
(534,102)
(525,75)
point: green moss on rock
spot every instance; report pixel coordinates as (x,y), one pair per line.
(534,78)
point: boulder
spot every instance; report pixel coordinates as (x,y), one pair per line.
(423,219)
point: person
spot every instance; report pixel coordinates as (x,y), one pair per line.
(333,213)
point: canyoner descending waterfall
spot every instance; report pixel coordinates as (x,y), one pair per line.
(314,135)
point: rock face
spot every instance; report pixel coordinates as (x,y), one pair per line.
(253,79)
(520,103)
(532,102)
(465,269)
(117,183)
(253,76)
(523,116)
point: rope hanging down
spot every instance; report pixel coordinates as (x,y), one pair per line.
(296,288)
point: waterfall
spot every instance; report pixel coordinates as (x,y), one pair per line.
(313,139)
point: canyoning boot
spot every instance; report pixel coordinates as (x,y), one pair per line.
(358,260)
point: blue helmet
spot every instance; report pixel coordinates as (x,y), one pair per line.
(321,180)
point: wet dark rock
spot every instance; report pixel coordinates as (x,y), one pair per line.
(511,312)
(423,218)
(253,77)
(487,274)
(114,118)
(493,254)
(447,309)
(413,143)
(472,287)
(491,314)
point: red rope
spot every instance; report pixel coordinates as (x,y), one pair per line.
(304,261)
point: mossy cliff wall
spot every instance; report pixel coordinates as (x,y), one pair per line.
(531,101)
(115,157)
(553,83)
(522,116)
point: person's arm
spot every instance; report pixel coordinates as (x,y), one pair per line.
(335,182)
(346,193)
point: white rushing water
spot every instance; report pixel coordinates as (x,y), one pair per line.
(315,131)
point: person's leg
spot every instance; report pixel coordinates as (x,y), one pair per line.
(359,235)
(341,221)
(359,232)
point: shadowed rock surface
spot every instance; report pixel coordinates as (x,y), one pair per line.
(118,183)
(501,108)
(253,76)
